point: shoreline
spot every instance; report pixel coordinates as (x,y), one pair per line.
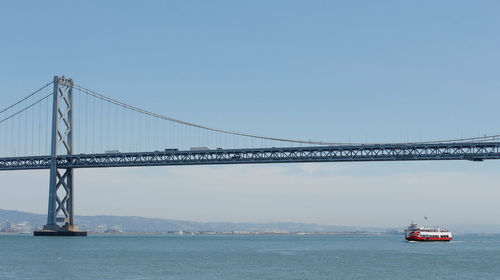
(226,233)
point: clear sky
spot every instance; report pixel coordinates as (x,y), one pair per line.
(361,71)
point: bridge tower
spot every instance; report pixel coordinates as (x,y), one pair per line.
(60,219)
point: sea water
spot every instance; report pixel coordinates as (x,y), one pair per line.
(247,257)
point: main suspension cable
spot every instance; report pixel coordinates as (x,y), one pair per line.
(142,111)
(227,132)
(37,91)
(26,108)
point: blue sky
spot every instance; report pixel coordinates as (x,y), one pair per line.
(336,71)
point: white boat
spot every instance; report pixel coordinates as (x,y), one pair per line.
(416,232)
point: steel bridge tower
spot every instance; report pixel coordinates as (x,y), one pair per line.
(61,179)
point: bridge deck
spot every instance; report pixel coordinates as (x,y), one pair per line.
(375,152)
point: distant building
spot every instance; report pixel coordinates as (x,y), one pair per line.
(101,228)
(9,226)
(6,226)
(114,229)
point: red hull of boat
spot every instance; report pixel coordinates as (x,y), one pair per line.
(411,238)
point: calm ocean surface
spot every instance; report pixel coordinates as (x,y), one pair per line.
(247,257)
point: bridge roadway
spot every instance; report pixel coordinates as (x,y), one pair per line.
(371,152)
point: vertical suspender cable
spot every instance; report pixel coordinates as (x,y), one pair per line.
(101,118)
(33,130)
(86,122)
(39,128)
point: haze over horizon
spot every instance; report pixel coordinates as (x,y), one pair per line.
(341,72)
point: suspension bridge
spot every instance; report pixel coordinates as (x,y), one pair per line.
(64,125)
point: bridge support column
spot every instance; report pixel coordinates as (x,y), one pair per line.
(60,219)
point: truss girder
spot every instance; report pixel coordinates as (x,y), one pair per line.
(387,152)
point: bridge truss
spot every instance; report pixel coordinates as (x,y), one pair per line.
(378,152)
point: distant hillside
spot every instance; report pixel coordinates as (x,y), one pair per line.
(19,216)
(140,224)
